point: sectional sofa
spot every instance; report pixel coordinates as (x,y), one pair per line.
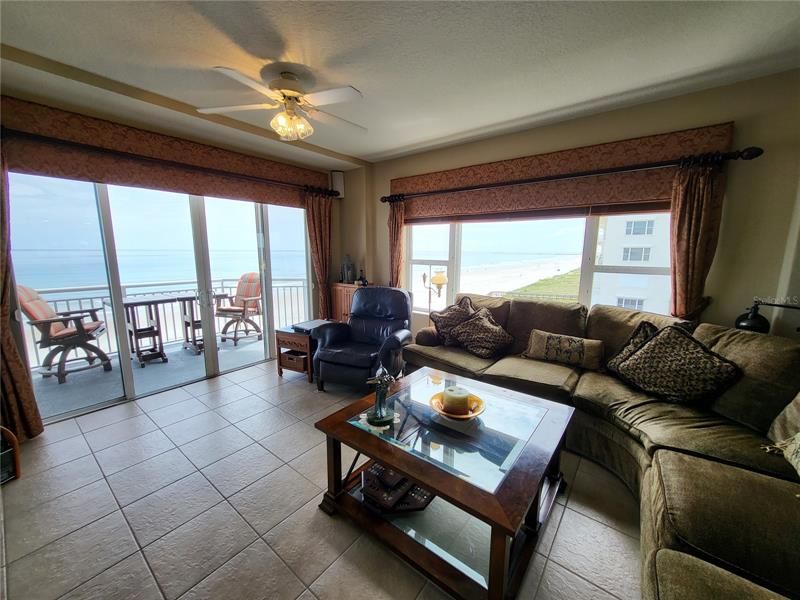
(720,517)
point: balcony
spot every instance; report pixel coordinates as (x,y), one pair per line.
(81,390)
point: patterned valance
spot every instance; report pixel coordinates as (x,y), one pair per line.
(633,189)
(102,151)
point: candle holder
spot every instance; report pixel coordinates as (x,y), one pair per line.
(381,414)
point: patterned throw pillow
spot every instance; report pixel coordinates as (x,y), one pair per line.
(638,338)
(445,320)
(675,366)
(567,349)
(481,335)
(787,423)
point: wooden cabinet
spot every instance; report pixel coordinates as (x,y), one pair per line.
(342,299)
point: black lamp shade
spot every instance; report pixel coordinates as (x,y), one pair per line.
(752,321)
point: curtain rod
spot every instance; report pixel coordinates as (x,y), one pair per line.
(712,158)
(166,162)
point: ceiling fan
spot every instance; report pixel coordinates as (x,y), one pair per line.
(287,91)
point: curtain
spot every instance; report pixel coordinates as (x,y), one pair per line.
(697,191)
(318,216)
(396,239)
(18,408)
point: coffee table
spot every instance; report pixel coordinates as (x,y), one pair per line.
(496,475)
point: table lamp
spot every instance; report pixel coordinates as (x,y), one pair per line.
(753,321)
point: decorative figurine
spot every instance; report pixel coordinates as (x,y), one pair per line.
(362,281)
(380,414)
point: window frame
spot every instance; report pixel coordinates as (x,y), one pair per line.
(588,267)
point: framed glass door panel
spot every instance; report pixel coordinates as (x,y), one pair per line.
(288,265)
(158,276)
(60,265)
(236,262)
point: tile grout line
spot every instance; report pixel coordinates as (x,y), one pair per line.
(626,534)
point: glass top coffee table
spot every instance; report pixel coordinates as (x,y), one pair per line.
(495,478)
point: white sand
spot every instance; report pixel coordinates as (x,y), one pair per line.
(506,277)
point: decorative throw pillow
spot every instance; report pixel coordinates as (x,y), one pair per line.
(643,332)
(679,368)
(481,335)
(790,448)
(787,423)
(566,349)
(445,320)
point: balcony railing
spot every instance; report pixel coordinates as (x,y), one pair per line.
(289,301)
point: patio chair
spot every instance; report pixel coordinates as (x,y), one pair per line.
(241,309)
(62,332)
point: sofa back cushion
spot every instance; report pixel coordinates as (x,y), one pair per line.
(771,374)
(614,325)
(498,307)
(554,317)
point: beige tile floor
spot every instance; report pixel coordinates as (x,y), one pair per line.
(211,491)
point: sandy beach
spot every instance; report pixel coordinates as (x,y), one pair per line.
(505,277)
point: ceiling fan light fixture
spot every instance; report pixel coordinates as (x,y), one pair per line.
(291,126)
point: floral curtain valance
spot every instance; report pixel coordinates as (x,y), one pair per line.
(97,157)
(614,189)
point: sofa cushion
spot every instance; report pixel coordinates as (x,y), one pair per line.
(704,433)
(452,360)
(744,521)
(615,325)
(539,378)
(481,335)
(679,576)
(566,349)
(787,423)
(350,353)
(771,376)
(555,317)
(679,368)
(499,307)
(601,395)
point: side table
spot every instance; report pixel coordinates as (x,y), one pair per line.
(295,351)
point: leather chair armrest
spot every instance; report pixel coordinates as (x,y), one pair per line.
(428,337)
(392,345)
(331,333)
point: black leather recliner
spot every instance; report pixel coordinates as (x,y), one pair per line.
(375,334)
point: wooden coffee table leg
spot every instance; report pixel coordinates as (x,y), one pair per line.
(499,552)
(328,503)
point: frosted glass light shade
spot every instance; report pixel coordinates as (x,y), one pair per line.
(291,127)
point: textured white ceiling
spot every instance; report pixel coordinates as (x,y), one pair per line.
(431,73)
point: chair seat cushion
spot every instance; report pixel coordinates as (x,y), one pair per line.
(536,377)
(88,326)
(742,520)
(235,311)
(680,576)
(447,358)
(350,353)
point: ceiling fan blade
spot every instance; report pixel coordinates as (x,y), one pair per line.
(251,83)
(334,96)
(226,109)
(329,119)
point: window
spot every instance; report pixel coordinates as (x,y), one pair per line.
(564,260)
(429,252)
(636,254)
(644,227)
(634,303)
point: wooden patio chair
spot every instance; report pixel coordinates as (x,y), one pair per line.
(62,332)
(241,309)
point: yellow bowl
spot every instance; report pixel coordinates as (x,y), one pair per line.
(476,407)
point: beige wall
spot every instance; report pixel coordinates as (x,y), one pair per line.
(757,253)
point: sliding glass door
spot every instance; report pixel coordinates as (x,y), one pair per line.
(169,288)
(237,264)
(60,270)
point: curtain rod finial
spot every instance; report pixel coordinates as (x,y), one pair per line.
(750,153)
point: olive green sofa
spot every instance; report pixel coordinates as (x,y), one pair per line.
(720,517)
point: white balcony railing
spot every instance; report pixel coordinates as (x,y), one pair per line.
(289,301)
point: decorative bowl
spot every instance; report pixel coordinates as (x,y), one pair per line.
(476,407)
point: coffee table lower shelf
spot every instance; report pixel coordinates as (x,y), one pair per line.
(509,557)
